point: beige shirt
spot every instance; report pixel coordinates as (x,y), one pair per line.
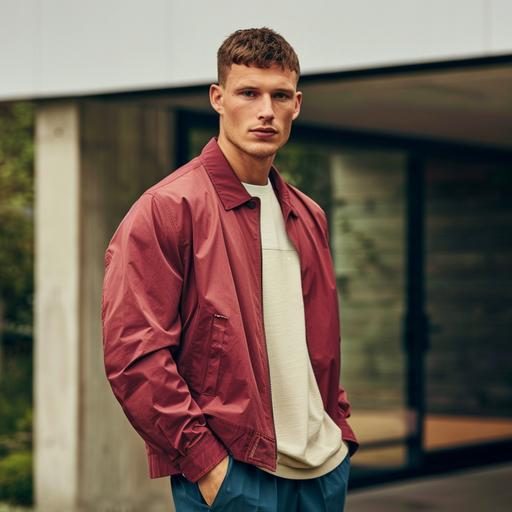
(309,443)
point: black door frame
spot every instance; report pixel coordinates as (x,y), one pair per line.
(415,332)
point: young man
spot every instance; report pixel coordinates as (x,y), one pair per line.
(220,310)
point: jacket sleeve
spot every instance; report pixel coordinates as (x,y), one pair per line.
(343,402)
(141,331)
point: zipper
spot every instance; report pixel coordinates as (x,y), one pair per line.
(263,325)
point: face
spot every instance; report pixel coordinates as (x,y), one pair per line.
(256,108)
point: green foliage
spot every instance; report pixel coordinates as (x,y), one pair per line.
(16,478)
(16,211)
(306,166)
(15,388)
(16,291)
(16,422)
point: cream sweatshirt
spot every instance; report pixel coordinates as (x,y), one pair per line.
(309,443)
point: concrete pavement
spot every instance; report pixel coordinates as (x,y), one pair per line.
(486,489)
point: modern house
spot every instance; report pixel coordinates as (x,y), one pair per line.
(404,138)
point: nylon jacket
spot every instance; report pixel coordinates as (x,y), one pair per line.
(182,315)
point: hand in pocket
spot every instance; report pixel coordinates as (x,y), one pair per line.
(210,483)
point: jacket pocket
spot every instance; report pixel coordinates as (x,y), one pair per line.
(214,355)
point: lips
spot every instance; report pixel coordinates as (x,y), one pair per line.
(264,130)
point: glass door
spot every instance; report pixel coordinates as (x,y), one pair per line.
(369,243)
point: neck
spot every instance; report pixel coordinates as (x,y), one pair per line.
(247,168)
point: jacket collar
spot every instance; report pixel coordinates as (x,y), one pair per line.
(229,187)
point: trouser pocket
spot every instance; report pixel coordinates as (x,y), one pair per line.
(223,485)
(245,488)
(187,496)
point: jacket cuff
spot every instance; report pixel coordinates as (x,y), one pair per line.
(347,434)
(204,455)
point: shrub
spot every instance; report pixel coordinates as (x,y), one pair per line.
(16,478)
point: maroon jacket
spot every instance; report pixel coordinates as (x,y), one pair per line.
(183,332)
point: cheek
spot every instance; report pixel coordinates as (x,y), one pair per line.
(238,115)
(287,115)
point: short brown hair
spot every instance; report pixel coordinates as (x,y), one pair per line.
(260,47)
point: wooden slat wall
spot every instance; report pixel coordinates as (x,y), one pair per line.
(469,286)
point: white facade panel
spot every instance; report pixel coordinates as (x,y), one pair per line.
(378,33)
(113,44)
(500,22)
(70,47)
(19,61)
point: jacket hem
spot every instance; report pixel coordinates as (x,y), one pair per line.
(199,459)
(348,435)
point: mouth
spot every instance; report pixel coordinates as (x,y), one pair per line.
(264,132)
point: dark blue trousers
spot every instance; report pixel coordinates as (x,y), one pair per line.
(246,488)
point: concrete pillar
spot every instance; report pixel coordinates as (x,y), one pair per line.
(93,159)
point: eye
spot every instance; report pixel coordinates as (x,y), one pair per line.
(248,93)
(282,96)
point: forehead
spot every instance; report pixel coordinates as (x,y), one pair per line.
(274,76)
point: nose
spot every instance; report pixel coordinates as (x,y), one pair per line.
(266,111)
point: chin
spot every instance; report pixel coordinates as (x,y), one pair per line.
(255,148)
(263,149)
(263,152)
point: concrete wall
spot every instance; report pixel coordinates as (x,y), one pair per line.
(92,161)
(53,48)
(57,305)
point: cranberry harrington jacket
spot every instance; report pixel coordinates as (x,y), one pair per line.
(183,328)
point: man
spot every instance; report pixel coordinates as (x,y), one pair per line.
(220,310)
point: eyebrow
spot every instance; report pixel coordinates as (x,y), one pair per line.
(278,89)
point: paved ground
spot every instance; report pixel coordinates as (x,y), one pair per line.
(487,489)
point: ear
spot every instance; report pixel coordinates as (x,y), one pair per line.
(298,103)
(216,97)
